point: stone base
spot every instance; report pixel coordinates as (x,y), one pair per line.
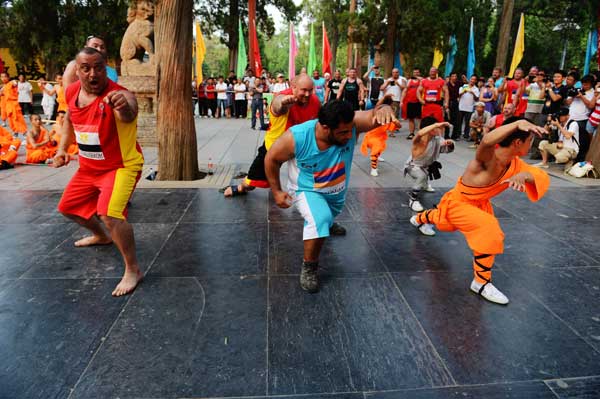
(144,88)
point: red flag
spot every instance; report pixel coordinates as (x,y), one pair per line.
(326,53)
(1,65)
(256,51)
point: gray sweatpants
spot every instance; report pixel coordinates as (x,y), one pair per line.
(419,176)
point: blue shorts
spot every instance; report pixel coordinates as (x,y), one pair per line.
(318,211)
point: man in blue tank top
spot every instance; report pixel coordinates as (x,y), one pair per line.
(320,155)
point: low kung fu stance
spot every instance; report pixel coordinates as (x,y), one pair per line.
(427,145)
(103,116)
(467,207)
(320,156)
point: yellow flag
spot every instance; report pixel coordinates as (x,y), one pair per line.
(200,52)
(519,47)
(437,57)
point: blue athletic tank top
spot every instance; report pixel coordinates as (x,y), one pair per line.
(326,172)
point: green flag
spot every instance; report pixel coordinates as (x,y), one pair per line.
(312,53)
(242,60)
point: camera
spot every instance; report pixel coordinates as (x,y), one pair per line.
(573,92)
(434,171)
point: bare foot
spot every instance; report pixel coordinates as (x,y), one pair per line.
(93,240)
(128,283)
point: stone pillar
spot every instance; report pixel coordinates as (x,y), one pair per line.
(144,88)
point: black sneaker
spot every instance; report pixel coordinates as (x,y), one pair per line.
(410,136)
(309,280)
(337,230)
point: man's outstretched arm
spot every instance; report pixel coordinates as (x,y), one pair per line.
(281,151)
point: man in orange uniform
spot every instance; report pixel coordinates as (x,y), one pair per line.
(467,207)
(38,147)
(55,136)
(103,116)
(11,109)
(9,145)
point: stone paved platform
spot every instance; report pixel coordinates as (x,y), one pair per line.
(221,313)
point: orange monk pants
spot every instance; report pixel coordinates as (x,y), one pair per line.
(479,226)
(39,155)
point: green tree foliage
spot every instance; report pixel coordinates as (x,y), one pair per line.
(53,30)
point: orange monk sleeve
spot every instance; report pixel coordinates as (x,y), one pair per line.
(538,188)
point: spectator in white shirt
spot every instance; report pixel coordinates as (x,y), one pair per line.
(221,88)
(241,105)
(48,97)
(25,95)
(281,85)
(468,94)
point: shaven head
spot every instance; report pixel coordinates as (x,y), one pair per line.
(4,76)
(91,69)
(302,88)
(519,138)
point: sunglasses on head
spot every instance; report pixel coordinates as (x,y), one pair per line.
(90,37)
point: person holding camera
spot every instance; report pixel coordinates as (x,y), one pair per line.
(394,86)
(427,146)
(536,93)
(468,95)
(581,102)
(564,150)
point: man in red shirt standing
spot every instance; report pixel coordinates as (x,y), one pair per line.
(410,99)
(514,89)
(430,96)
(103,117)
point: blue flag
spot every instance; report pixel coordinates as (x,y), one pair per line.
(592,48)
(450,56)
(397,63)
(471,55)
(371,59)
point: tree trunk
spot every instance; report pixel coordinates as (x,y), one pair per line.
(390,41)
(177,150)
(504,35)
(334,46)
(232,32)
(349,41)
(251,33)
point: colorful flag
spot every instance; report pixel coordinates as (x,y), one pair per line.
(312,53)
(592,48)
(256,50)
(471,55)
(200,52)
(371,60)
(326,53)
(242,58)
(450,56)
(519,47)
(437,57)
(293,53)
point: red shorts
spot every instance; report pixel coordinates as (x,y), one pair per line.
(432,109)
(104,194)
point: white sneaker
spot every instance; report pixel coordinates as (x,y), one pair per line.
(425,229)
(380,159)
(489,292)
(415,205)
(429,189)
(374,173)
(541,165)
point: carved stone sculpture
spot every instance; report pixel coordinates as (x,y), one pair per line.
(137,41)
